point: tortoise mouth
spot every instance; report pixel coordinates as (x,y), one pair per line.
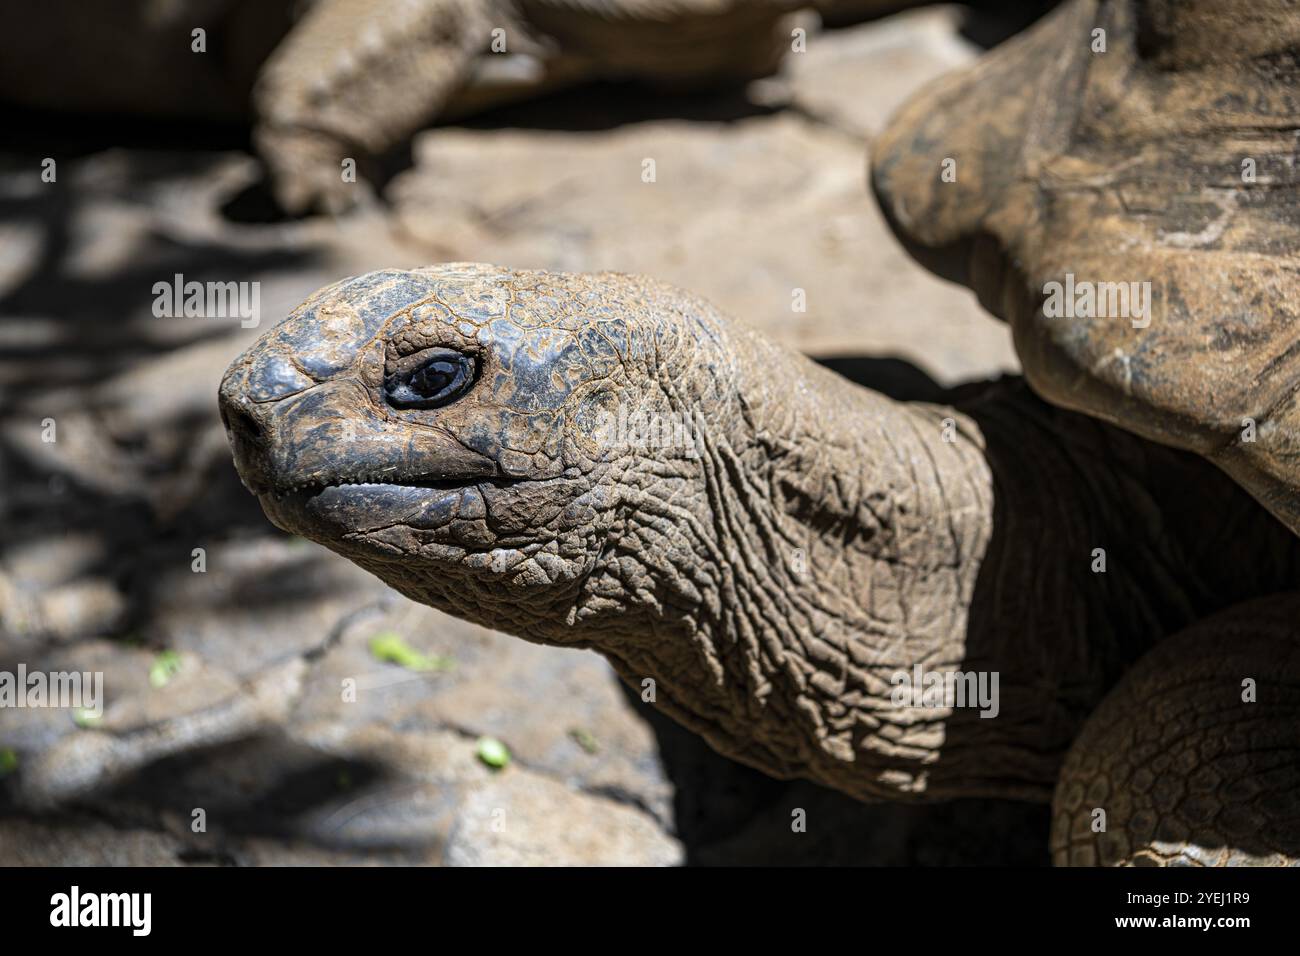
(331,509)
(309,489)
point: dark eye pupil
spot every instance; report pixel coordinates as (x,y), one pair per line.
(433,378)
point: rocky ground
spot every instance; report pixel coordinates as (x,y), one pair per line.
(251,690)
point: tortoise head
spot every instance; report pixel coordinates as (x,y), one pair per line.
(460,430)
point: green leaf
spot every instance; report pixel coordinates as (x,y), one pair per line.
(164,667)
(85,717)
(493,752)
(8,761)
(391,649)
(584,739)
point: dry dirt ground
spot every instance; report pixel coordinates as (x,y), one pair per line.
(756,195)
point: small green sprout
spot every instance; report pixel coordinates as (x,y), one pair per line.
(493,752)
(390,648)
(8,761)
(585,740)
(164,667)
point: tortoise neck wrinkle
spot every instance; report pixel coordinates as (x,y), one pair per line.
(838,544)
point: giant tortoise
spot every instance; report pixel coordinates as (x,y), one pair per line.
(1069,589)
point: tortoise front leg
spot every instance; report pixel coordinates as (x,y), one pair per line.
(1194,757)
(353,79)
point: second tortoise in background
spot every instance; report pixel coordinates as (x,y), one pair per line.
(333,79)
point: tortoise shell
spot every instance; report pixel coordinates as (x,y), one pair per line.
(1119,184)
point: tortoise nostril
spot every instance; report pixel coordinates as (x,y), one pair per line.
(241,424)
(248,442)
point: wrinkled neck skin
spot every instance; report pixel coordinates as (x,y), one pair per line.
(838,543)
(845,538)
(816,540)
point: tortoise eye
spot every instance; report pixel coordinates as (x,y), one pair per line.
(429,379)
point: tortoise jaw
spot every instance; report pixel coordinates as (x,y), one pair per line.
(326,512)
(330,511)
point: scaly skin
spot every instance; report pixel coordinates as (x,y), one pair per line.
(772,574)
(1187,770)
